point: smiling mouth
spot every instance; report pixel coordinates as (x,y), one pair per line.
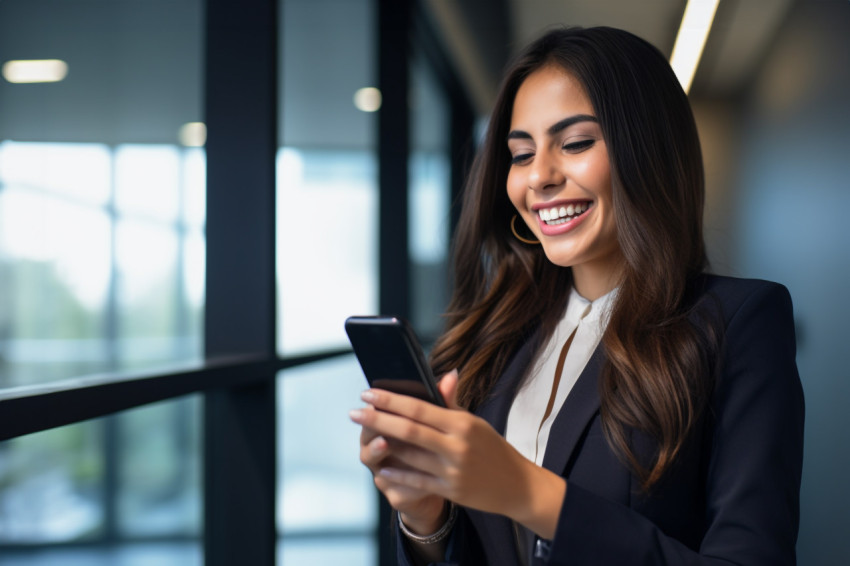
(563,214)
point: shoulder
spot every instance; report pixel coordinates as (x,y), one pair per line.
(757,337)
(733,297)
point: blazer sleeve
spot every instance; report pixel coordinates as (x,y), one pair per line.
(753,464)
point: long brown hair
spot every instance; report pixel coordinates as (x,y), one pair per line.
(657,372)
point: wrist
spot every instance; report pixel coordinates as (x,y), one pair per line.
(427,520)
(434,536)
(540,508)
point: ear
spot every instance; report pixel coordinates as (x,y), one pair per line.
(448,388)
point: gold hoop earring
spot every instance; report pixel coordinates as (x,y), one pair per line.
(517,236)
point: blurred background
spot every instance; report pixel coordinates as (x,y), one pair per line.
(378,103)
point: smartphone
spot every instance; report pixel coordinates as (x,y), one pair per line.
(391,357)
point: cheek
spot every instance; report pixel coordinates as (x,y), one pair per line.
(516,191)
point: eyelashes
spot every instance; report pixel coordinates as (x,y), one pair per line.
(575,147)
(578,146)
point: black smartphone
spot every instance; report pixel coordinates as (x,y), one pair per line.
(391,356)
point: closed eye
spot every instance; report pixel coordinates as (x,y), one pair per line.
(521,158)
(578,146)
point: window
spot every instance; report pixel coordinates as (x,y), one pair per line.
(327,230)
(148,326)
(102,246)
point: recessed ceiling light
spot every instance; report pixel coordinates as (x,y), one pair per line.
(693,32)
(193,134)
(35,71)
(367,99)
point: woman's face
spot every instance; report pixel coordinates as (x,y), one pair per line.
(560,177)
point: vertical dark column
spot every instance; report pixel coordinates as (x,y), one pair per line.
(394,17)
(239,422)
(394,27)
(462,150)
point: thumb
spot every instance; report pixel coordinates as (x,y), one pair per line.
(448,388)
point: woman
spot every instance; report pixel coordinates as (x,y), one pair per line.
(609,402)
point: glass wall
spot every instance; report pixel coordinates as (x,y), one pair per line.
(101,264)
(429,198)
(327,172)
(102,269)
(327,226)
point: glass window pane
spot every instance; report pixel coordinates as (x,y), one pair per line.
(327,258)
(159,474)
(327,173)
(101,269)
(322,484)
(147,181)
(328,551)
(130,554)
(54,290)
(429,198)
(101,207)
(51,485)
(80,171)
(54,485)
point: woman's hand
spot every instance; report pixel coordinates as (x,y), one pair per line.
(421,511)
(455,455)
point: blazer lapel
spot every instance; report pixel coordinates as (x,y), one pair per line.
(500,534)
(578,410)
(496,407)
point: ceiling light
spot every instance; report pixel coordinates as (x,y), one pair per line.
(367,99)
(35,71)
(699,14)
(193,134)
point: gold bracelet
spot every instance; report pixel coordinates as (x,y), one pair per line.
(442,533)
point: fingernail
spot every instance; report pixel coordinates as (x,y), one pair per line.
(378,446)
(356,415)
(389,473)
(368,396)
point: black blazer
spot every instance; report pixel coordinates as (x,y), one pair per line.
(732,496)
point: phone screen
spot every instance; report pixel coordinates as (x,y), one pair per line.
(391,357)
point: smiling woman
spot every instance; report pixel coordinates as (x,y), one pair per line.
(609,401)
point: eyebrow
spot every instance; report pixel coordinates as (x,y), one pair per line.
(557,127)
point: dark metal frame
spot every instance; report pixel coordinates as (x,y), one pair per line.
(238,376)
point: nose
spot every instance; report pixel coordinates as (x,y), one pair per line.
(544,173)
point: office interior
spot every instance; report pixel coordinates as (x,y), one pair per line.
(191,211)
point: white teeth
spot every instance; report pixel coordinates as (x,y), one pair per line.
(559,215)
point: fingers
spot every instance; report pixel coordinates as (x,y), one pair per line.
(448,388)
(376,453)
(381,452)
(390,425)
(411,480)
(411,408)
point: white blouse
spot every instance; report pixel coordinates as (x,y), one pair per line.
(526,430)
